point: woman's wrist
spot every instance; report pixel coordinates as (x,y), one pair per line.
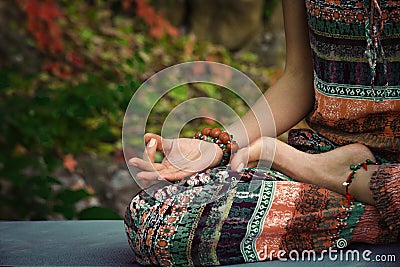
(222,139)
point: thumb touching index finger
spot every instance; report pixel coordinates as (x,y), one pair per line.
(162,144)
(150,150)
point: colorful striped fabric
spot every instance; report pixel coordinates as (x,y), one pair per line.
(345,111)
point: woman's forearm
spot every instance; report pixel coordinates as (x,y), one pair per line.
(292,97)
(280,108)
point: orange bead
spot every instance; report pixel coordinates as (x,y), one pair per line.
(215,132)
(197,134)
(206,131)
(224,137)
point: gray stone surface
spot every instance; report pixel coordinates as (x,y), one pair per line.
(64,243)
(111,182)
(104,243)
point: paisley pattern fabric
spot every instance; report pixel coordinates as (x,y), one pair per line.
(220,217)
(345,111)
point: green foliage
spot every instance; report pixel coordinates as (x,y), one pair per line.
(269,6)
(98,213)
(40,123)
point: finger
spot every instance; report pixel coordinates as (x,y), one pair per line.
(150,150)
(169,175)
(145,165)
(163,144)
(149,136)
(174,175)
(253,151)
(240,159)
(146,179)
(262,149)
(149,176)
(253,164)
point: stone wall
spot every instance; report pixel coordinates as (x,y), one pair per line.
(233,24)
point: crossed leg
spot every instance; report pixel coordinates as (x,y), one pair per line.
(328,170)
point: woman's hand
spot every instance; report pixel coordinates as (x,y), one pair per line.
(182,157)
(262,149)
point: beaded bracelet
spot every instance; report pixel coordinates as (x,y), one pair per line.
(354,169)
(223,139)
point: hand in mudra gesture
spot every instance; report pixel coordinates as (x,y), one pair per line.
(182,157)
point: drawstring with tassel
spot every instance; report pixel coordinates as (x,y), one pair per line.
(373,29)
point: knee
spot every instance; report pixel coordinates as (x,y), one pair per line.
(385,187)
(147,231)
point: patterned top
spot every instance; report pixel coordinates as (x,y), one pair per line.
(345,109)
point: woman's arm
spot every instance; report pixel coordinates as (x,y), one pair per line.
(328,170)
(290,99)
(292,96)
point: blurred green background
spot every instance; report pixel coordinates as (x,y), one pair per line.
(68,70)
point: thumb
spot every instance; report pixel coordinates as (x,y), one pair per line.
(240,159)
(247,154)
(149,153)
(163,144)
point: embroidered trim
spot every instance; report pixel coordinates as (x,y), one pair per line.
(255,225)
(355,91)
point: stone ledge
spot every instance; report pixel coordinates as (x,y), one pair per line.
(103,243)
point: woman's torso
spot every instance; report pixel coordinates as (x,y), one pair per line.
(346,108)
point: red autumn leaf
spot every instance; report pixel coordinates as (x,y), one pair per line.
(157,24)
(42,23)
(75,59)
(172,31)
(69,163)
(126,4)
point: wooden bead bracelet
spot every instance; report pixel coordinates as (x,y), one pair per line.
(223,139)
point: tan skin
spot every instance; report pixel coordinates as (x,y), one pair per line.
(290,99)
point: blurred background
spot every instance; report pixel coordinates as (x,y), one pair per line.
(68,70)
